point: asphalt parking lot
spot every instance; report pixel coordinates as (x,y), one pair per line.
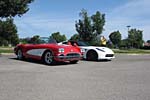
(127,77)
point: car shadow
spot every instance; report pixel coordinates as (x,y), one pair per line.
(40,62)
(103,60)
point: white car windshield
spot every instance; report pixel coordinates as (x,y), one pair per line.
(81,43)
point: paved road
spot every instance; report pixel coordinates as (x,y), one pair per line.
(127,77)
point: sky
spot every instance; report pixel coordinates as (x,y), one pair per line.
(48,16)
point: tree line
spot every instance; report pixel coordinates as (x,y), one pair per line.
(89,28)
(134,39)
(8,10)
(35,39)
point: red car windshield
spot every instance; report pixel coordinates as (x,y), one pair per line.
(47,40)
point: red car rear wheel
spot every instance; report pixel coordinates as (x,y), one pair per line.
(20,54)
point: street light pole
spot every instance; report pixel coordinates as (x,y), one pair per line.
(128,34)
(128,28)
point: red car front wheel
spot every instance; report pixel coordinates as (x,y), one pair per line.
(48,58)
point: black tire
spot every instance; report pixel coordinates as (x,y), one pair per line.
(20,54)
(48,58)
(92,55)
(74,62)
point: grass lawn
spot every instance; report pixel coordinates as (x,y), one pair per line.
(132,51)
(6,50)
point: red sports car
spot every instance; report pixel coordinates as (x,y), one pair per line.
(48,51)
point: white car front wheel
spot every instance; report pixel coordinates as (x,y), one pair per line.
(92,55)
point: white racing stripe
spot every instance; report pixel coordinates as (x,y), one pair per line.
(36,52)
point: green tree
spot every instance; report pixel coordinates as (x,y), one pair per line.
(98,22)
(34,40)
(124,44)
(83,26)
(11,8)
(58,37)
(135,38)
(115,38)
(75,37)
(24,40)
(8,10)
(8,32)
(3,42)
(89,27)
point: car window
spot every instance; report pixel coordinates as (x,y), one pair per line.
(81,43)
(47,40)
(65,42)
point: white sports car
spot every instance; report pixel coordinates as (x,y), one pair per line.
(93,52)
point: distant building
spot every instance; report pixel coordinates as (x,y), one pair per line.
(147,44)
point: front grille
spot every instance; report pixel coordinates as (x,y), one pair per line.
(109,55)
(73,55)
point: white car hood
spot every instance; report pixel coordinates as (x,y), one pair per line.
(105,49)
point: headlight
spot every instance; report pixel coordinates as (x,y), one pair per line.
(82,50)
(61,50)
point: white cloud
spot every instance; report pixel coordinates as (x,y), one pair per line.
(134,13)
(44,26)
(133,8)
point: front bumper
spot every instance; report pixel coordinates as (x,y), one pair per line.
(68,57)
(106,57)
